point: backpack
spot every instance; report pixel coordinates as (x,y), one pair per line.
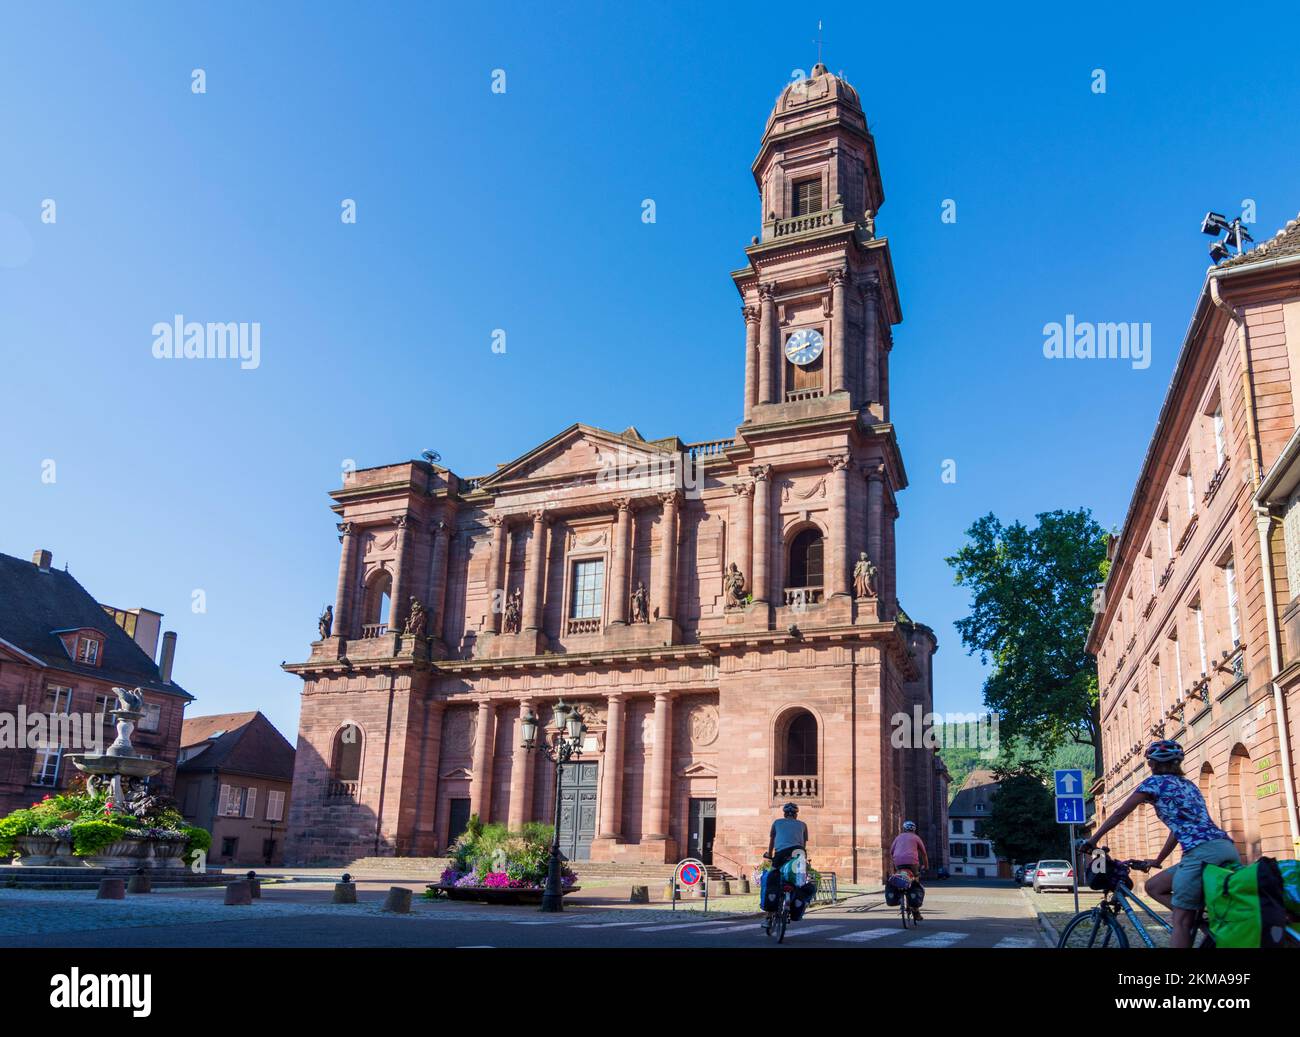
(1244,905)
(1290,886)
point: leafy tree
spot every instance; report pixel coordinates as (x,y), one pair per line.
(1031,608)
(1022,820)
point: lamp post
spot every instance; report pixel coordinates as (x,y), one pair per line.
(559,745)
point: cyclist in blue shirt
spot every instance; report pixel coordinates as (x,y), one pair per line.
(1180,805)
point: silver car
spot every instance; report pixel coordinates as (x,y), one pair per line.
(1025,873)
(1053,875)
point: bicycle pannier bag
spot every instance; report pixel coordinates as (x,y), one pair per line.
(1290,886)
(1244,905)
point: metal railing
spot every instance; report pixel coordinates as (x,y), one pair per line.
(342,789)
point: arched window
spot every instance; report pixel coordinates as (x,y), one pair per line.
(374,613)
(795,749)
(806,559)
(801,745)
(345,760)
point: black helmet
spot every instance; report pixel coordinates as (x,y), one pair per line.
(790,810)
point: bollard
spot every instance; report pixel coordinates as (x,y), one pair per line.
(238,894)
(398,900)
(724,888)
(345,893)
(111,889)
(254,885)
(640,895)
(140,882)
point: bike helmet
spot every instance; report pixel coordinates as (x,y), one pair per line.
(1164,751)
(790,810)
(909,826)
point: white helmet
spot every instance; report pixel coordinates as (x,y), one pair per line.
(909,826)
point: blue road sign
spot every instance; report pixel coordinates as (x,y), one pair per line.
(1069,783)
(1069,810)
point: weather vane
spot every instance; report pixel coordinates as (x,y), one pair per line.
(818,41)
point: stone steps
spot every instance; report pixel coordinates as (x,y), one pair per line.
(432,867)
(15,877)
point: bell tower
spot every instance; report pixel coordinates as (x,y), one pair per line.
(818,293)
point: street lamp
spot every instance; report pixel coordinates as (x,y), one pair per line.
(1234,233)
(562,743)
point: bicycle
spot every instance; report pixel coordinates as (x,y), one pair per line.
(905,906)
(1083,930)
(779,918)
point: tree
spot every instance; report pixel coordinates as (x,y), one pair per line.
(1031,608)
(1022,820)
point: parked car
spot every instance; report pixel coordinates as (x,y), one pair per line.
(1053,875)
(1025,873)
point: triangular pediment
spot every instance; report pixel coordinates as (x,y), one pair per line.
(698,770)
(578,454)
(458,772)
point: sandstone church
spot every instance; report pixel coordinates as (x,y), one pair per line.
(725,614)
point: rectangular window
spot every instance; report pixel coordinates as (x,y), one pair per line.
(250,803)
(58,699)
(152,717)
(588,589)
(1191,490)
(807,196)
(232,800)
(1200,638)
(1178,666)
(87,650)
(1219,451)
(1234,616)
(957,826)
(275,805)
(45,768)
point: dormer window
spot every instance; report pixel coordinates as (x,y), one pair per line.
(88,650)
(807,196)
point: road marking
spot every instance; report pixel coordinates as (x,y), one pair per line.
(863,935)
(799,930)
(604,925)
(756,926)
(673,925)
(938,940)
(1016,941)
(475,947)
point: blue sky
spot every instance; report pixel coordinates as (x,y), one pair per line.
(521,211)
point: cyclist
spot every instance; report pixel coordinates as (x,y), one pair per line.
(788,834)
(908,851)
(1179,804)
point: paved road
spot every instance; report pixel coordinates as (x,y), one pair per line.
(955,916)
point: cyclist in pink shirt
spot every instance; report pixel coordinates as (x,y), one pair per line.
(908,851)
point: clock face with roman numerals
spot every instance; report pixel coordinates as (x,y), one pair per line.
(804,346)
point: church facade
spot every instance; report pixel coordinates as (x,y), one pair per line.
(724,614)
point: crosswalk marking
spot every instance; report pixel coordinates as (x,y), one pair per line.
(756,926)
(673,925)
(602,925)
(863,935)
(1016,941)
(800,930)
(938,940)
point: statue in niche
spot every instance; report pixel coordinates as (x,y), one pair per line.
(733,583)
(416,618)
(513,612)
(326,622)
(864,577)
(640,605)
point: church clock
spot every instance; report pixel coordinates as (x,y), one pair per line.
(804,346)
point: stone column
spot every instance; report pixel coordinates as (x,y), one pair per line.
(424,835)
(398,606)
(871,350)
(742,553)
(535,575)
(661,762)
(521,774)
(759,585)
(837,560)
(622,558)
(611,783)
(875,517)
(480,785)
(839,345)
(496,585)
(668,557)
(438,578)
(347,574)
(751,357)
(767,373)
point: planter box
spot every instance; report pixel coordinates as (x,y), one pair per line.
(43,851)
(35,851)
(491,895)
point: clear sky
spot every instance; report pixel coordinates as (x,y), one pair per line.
(522,211)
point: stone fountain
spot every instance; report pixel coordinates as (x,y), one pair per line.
(120,760)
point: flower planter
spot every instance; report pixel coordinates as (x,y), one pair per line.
(37,850)
(495,894)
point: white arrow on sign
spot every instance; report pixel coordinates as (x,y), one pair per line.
(1067,783)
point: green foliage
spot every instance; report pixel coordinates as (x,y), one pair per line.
(195,839)
(89,837)
(1031,609)
(962,754)
(1022,820)
(523,855)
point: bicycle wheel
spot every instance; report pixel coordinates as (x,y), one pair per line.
(1095,928)
(902,910)
(782,920)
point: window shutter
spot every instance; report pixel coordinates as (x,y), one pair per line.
(275,805)
(223,798)
(250,806)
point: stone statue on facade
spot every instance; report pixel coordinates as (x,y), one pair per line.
(733,583)
(513,612)
(416,618)
(640,605)
(864,577)
(326,622)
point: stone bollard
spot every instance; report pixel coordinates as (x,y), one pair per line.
(238,894)
(345,893)
(640,895)
(398,900)
(254,885)
(111,889)
(724,888)
(140,882)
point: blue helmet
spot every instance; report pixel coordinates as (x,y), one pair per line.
(909,826)
(1164,751)
(790,810)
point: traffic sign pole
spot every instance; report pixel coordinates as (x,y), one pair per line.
(1074,869)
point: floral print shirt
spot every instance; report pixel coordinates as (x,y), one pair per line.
(1180,805)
